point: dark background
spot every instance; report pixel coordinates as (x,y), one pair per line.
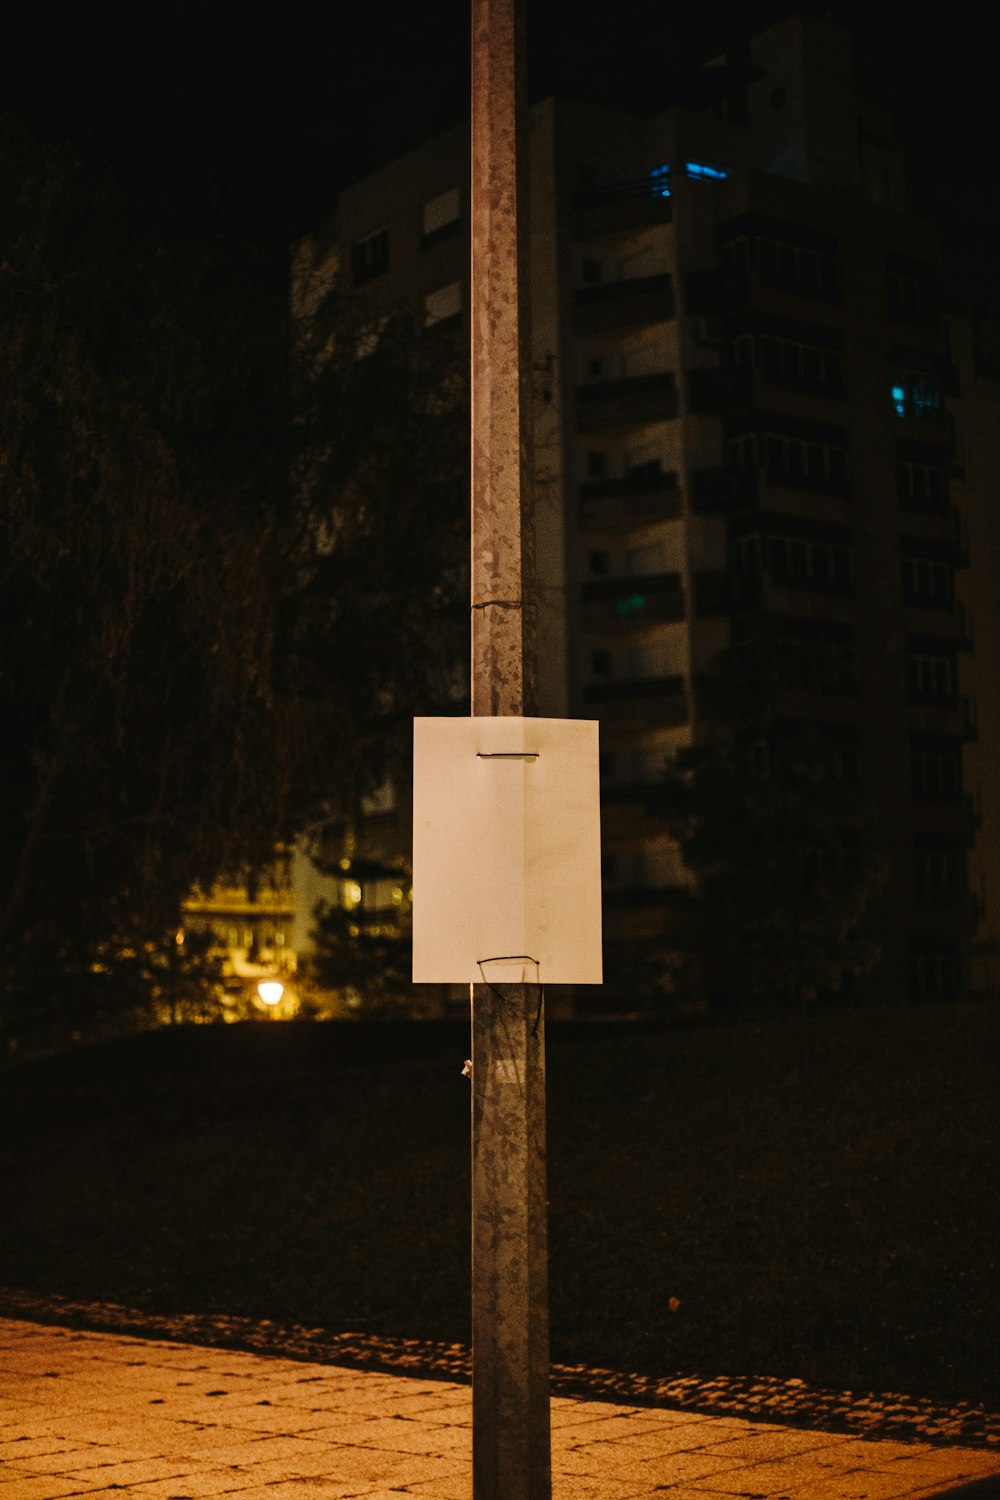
(288,102)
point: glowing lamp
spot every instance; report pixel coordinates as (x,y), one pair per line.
(270,991)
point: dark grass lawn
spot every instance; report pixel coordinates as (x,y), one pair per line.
(819,1195)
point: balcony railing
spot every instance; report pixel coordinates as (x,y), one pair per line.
(644,495)
(718,389)
(620,306)
(660,700)
(631,401)
(618,209)
(651,597)
(718,289)
(722,489)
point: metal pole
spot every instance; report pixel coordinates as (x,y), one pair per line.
(510,1340)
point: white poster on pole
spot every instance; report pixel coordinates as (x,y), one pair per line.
(506,851)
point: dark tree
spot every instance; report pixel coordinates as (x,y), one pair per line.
(214,621)
(381,466)
(381,487)
(142,496)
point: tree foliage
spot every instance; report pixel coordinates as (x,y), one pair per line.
(381,485)
(212,618)
(372,962)
(771,825)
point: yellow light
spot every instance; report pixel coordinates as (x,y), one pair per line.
(270,991)
(353,891)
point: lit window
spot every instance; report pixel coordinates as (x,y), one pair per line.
(703,170)
(439,217)
(443,304)
(916,394)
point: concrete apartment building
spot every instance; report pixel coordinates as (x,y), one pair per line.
(756,390)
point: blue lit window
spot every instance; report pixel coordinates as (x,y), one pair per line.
(926,397)
(703,170)
(917,394)
(660,179)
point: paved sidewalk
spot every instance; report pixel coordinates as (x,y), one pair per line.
(104,1415)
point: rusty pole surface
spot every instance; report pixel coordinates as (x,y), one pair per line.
(510,1333)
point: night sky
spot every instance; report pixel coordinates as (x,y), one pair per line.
(289,101)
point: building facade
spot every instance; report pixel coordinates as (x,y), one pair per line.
(760,388)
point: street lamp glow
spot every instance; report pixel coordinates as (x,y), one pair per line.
(270,991)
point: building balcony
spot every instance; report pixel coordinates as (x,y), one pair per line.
(719,592)
(717,389)
(719,289)
(649,599)
(621,208)
(236,901)
(932,426)
(712,595)
(632,499)
(955,815)
(726,488)
(650,700)
(633,401)
(622,306)
(938,718)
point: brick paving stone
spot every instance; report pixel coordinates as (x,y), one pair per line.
(866,1484)
(398,1434)
(449,1487)
(766,1442)
(874,1455)
(118,1476)
(77,1456)
(168,1420)
(579,1488)
(205,1485)
(618,1462)
(23,1486)
(687,1439)
(596,1428)
(778,1476)
(294,1489)
(30,1448)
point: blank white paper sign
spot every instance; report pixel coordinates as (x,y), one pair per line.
(506,851)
